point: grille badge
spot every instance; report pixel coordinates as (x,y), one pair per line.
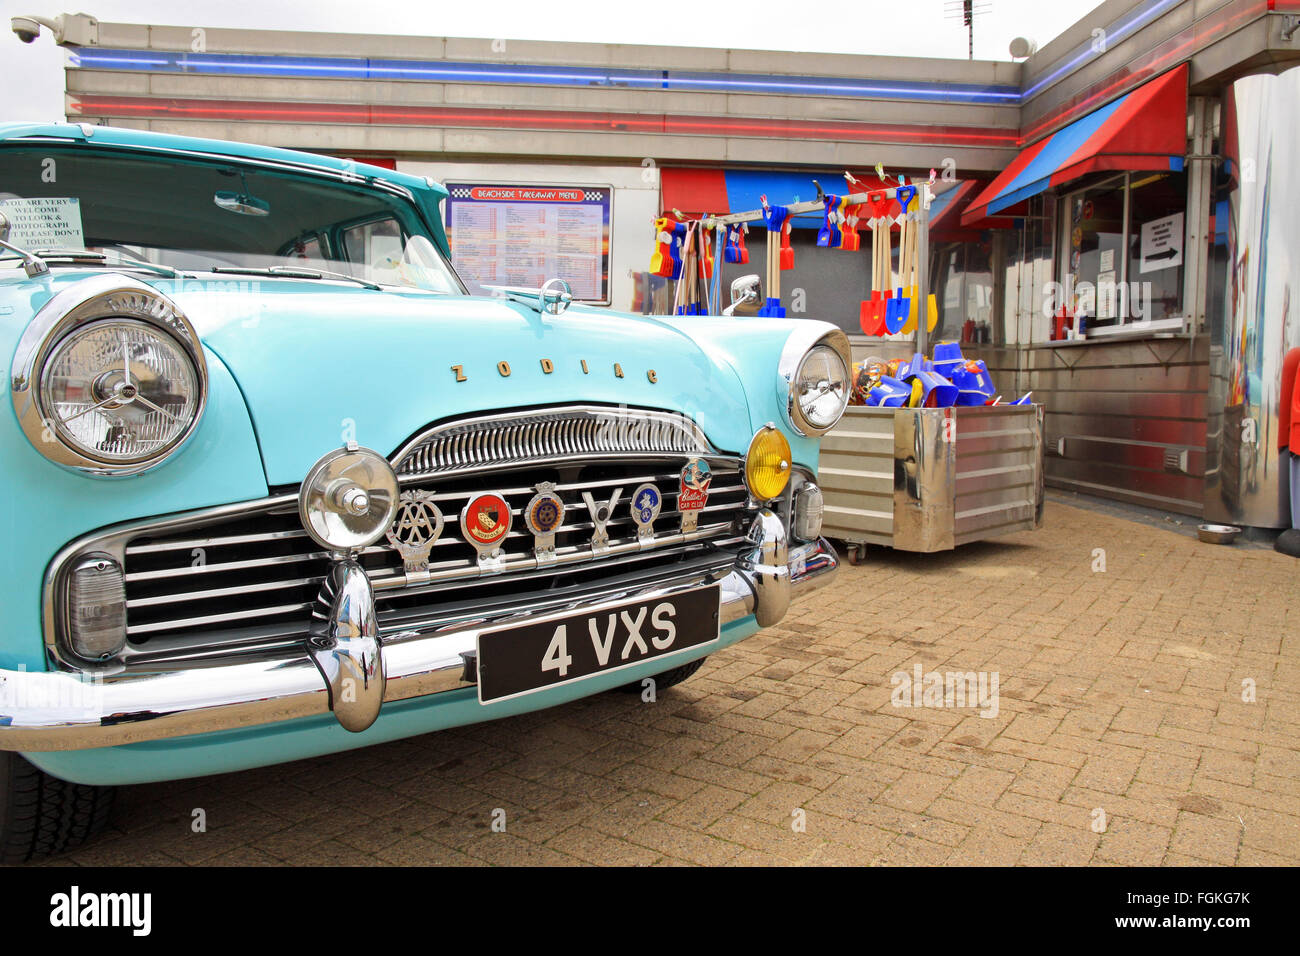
(600,513)
(544,514)
(415,530)
(693,492)
(485,522)
(646,502)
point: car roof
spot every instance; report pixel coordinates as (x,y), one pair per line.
(144,139)
(426,192)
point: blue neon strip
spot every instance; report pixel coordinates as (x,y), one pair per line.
(1093,49)
(224,64)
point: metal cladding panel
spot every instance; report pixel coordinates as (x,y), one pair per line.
(856,475)
(999,474)
(895,476)
(1254,328)
(1125,420)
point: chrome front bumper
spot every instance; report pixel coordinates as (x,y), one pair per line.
(347,666)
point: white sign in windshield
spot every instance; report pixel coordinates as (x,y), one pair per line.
(50,223)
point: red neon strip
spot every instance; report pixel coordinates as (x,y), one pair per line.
(1134,74)
(464,117)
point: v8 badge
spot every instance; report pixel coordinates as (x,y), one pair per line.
(544,514)
(646,502)
(601,512)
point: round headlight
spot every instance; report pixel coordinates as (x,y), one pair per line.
(821,387)
(814,373)
(767,464)
(120,391)
(109,377)
(348,499)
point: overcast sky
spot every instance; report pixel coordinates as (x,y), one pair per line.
(32,75)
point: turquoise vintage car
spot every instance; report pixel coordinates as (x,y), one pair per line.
(276,486)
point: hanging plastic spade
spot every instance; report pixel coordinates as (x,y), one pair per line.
(829,235)
(900,309)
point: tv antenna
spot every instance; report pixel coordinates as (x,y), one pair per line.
(967,11)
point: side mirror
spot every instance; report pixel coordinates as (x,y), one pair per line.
(746,295)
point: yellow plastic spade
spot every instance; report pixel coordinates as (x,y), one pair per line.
(931,313)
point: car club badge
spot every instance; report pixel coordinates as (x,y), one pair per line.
(485,522)
(601,512)
(646,502)
(415,530)
(693,494)
(543,515)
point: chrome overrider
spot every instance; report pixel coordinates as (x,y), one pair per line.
(343,640)
(361,669)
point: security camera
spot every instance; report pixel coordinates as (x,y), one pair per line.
(27,28)
(68,29)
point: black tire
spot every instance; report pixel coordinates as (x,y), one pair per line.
(667,678)
(42,815)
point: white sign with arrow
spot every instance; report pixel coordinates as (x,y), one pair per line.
(1162,243)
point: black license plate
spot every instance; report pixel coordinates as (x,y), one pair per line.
(560,649)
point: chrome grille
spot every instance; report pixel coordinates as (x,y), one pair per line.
(249,579)
(550,434)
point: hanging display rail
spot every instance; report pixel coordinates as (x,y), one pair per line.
(919,221)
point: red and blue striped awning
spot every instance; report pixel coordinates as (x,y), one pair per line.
(1145,129)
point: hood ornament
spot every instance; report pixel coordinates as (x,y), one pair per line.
(553,298)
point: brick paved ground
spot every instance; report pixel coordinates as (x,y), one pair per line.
(1120,695)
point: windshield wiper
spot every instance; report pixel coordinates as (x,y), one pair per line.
(102,258)
(287,272)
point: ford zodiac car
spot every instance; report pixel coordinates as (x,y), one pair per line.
(278,486)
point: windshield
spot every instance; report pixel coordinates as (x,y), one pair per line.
(200,216)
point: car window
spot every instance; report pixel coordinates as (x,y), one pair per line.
(199,215)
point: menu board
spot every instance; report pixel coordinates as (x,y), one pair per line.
(514,235)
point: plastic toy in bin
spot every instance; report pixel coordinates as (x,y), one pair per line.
(947,358)
(929,388)
(873,385)
(974,384)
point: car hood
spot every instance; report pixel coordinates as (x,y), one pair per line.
(321,363)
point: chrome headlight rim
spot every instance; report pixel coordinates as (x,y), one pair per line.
(322,511)
(101,298)
(800,344)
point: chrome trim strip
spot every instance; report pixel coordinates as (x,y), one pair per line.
(572,432)
(113,541)
(54,710)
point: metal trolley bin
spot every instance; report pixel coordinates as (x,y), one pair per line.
(929,479)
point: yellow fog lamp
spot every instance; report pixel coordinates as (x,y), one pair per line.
(767,464)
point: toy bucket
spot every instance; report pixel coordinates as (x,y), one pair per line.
(936,391)
(974,384)
(910,369)
(947,358)
(888,392)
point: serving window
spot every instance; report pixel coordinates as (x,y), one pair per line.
(1121,261)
